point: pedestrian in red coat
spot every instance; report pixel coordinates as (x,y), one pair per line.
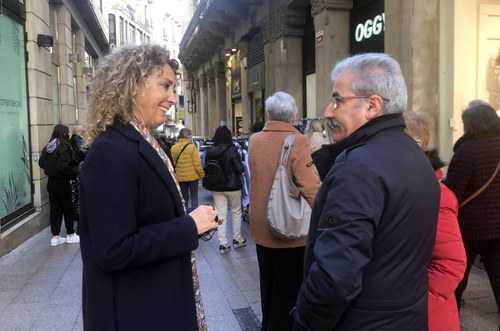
(448,261)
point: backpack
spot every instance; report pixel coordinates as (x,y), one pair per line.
(214,174)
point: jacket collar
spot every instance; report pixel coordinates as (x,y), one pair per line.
(325,157)
(151,157)
(183,140)
(217,150)
(279,126)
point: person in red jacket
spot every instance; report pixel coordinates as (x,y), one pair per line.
(448,261)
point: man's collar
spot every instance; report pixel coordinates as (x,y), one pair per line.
(324,158)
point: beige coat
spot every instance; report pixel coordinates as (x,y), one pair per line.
(263,158)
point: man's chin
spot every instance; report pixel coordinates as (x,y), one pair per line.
(337,137)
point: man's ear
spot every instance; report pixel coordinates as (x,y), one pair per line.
(374,107)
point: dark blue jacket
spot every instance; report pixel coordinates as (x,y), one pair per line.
(372,232)
(136,240)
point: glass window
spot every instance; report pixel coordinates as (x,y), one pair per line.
(122,32)
(56,90)
(15,163)
(112,29)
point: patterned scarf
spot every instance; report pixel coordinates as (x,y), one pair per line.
(200,311)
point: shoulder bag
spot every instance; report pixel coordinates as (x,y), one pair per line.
(289,213)
(481,189)
(178,156)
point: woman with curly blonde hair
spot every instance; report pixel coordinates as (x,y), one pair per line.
(136,235)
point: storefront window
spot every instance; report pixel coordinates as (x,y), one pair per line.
(15,165)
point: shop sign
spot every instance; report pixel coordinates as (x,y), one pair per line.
(320,38)
(18,7)
(256,80)
(367,28)
(236,83)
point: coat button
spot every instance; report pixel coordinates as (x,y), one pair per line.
(330,221)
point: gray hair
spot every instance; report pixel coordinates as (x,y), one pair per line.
(375,73)
(281,106)
(184,133)
(78,129)
(476,102)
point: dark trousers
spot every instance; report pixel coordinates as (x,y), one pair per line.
(189,192)
(489,250)
(75,200)
(59,190)
(281,272)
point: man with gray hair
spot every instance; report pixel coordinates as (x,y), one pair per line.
(374,218)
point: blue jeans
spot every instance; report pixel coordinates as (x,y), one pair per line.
(189,192)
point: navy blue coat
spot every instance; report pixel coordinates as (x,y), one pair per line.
(136,239)
(372,232)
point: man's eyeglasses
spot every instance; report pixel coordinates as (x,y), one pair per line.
(337,100)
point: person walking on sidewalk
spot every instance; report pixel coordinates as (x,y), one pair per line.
(80,149)
(58,162)
(227,193)
(280,262)
(474,162)
(448,261)
(188,168)
(137,240)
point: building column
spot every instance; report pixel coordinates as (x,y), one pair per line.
(203,105)
(229,95)
(415,44)
(246,90)
(331,21)
(283,31)
(196,118)
(81,88)
(220,92)
(212,102)
(62,49)
(245,100)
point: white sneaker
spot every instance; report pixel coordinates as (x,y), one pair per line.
(73,239)
(55,241)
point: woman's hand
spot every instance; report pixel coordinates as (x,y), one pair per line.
(206,218)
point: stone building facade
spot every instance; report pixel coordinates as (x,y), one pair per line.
(47,52)
(238,52)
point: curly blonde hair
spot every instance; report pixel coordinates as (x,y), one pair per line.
(114,86)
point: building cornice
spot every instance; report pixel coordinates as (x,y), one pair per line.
(90,19)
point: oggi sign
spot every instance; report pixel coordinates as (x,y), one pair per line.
(370,28)
(367,27)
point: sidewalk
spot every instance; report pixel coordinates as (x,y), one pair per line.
(40,287)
